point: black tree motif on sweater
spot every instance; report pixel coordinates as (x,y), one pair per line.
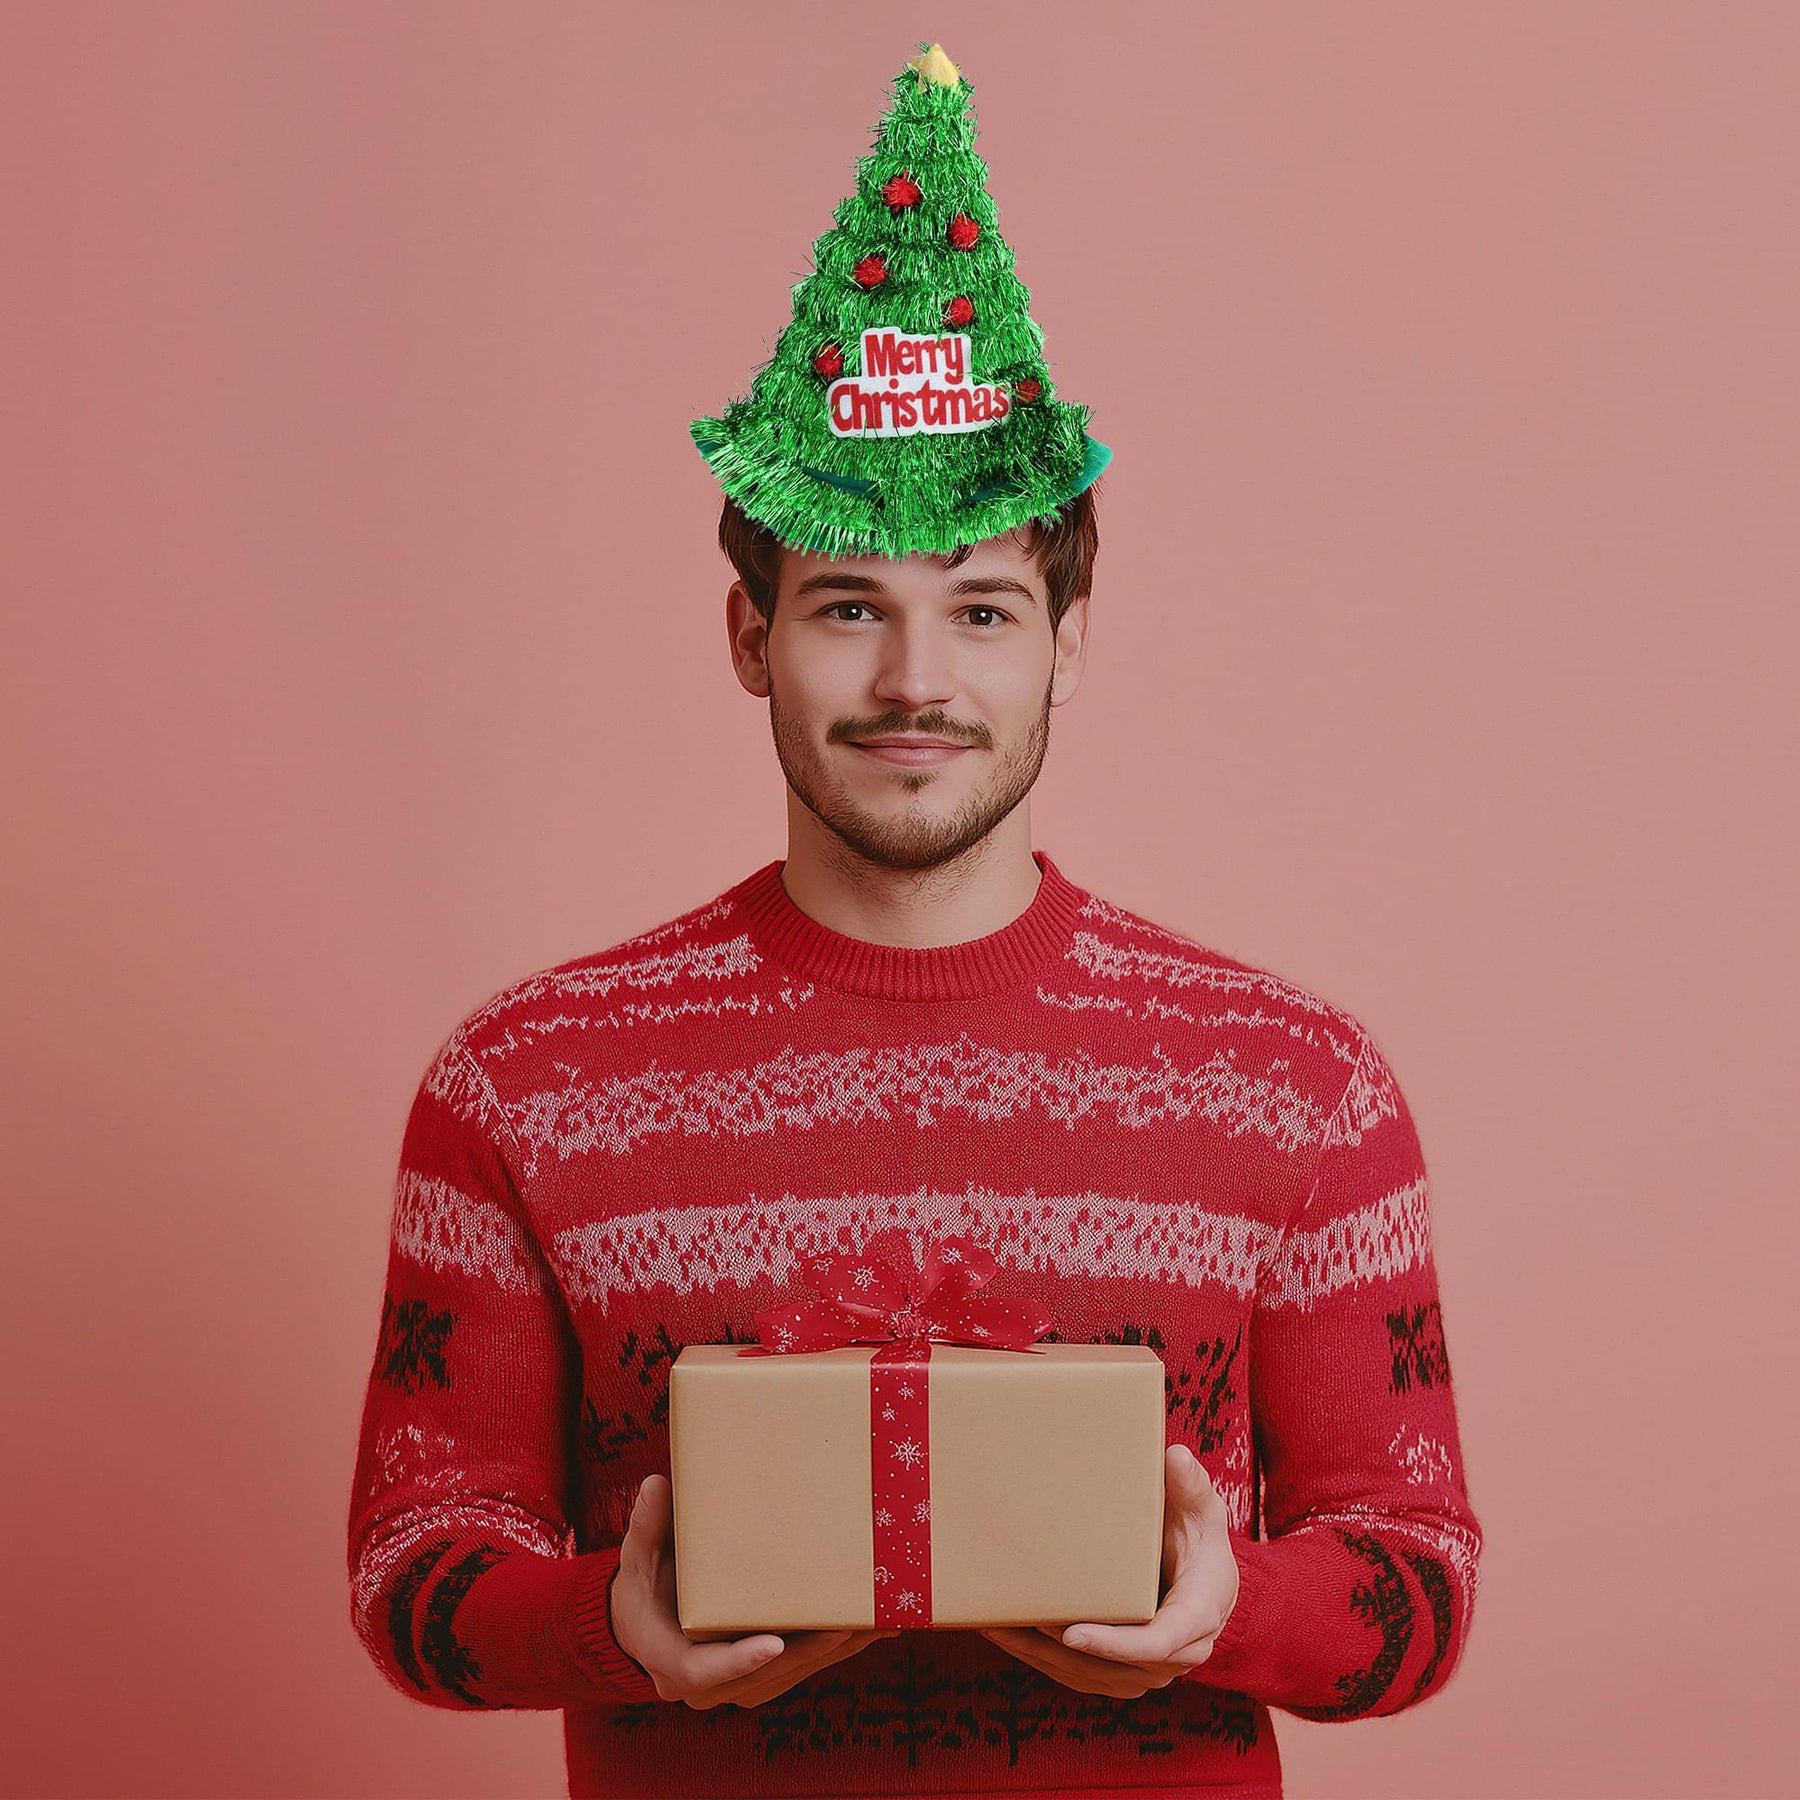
(1434,1580)
(907,1709)
(449,1659)
(413,1342)
(1416,1340)
(1201,1393)
(914,1706)
(1206,1393)
(605,1437)
(402,1598)
(1012,1709)
(1385,1604)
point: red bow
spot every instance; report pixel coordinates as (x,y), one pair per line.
(871,1300)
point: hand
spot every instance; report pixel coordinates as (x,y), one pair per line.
(743,1671)
(1200,1576)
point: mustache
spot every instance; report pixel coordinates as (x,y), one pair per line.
(896,724)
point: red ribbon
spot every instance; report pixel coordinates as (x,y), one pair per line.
(870,1299)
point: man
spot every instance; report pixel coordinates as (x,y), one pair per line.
(913,1025)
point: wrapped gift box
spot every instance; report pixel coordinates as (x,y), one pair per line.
(1043,1469)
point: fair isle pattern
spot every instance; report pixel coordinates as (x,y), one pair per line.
(1383,1239)
(705,1248)
(600,978)
(408,1452)
(1236,1495)
(797,1090)
(1104,910)
(1371,1097)
(1080,1002)
(1236,1489)
(441,1227)
(1426,1459)
(457,1080)
(1105,960)
(590,981)
(634,964)
(1153,1138)
(383,1550)
(663,1012)
(1446,1537)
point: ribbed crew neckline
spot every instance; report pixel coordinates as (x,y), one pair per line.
(964,971)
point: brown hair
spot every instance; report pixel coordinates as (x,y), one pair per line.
(1064,553)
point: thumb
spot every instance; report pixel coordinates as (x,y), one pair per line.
(652,1517)
(1191,1486)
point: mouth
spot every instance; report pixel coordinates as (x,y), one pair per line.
(915,752)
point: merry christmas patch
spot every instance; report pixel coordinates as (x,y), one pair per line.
(912,384)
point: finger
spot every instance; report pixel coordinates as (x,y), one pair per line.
(1097,1674)
(853,1643)
(790,1669)
(1087,1674)
(1053,1633)
(705,1666)
(652,1519)
(1013,1643)
(1178,1639)
(717,1682)
(1189,1486)
(713,1670)
(1186,1620)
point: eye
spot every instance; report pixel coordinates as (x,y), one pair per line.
(839,605)
(998,614)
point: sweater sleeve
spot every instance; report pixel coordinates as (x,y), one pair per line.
(464,1584)
(1358,1600)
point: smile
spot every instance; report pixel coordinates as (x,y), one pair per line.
(913,755)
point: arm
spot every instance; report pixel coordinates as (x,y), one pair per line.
(1360,1599)
(464,1586)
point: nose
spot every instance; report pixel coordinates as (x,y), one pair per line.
(916,667)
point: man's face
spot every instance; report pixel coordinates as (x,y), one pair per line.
(867,650)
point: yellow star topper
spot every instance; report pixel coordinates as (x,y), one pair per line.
(934,66)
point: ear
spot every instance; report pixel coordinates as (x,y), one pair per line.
(749,637)
(1071,651)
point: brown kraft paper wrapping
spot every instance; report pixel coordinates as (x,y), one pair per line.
(1046,1485)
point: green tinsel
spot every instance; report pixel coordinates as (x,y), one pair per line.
(774,452)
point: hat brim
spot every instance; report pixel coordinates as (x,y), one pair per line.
(833,540)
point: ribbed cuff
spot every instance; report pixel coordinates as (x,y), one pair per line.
(592,1629)
(1240,1650)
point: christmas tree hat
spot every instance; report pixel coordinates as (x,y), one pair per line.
(907,407)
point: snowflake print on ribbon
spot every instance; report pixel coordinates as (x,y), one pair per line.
(900,1470)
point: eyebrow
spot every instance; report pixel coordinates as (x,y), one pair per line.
(867,584)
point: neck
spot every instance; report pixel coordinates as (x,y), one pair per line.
(1016,956)
(981,891)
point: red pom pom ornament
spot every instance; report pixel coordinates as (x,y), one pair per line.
(1026,391)
(871,272)
(960,310)
(964,233)
(829,362)
(901,191)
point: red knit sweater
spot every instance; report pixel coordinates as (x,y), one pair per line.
(635,1150)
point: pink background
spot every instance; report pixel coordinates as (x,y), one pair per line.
(364,651)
